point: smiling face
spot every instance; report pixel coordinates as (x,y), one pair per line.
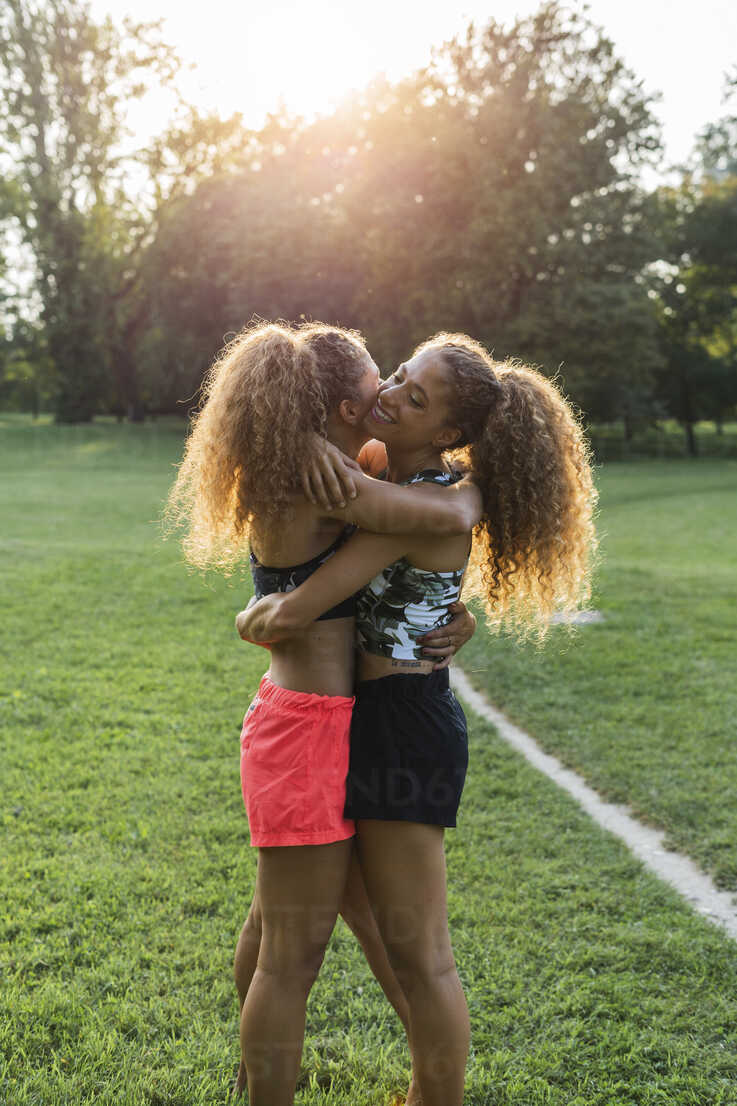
(413,410)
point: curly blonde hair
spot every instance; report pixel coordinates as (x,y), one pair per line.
(267,394)
(533,550)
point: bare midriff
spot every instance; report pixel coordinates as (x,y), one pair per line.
(319,660)
(370,666)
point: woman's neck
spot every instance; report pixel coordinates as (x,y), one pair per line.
(348,438)
(403,465)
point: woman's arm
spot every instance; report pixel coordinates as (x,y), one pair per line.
(280,615)
(419,509)
(383,507)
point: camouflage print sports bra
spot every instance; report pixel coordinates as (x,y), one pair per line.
(403,601)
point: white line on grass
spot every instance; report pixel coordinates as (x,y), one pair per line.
(644,842)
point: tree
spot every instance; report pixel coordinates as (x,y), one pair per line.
(499,192)
(88,207)
(65,81)
(249,241)
(697,291)
(493,192)
(25,369)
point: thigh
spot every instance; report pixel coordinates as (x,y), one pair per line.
(299,890)
(355,902)
(404,869)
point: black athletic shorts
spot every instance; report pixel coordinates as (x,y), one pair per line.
(409,750)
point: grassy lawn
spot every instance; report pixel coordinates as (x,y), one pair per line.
(644,705)
(125,870)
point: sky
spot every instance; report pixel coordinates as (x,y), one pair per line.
(250,56)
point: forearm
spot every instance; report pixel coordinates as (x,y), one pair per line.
(422,509)
(340,577)
(285,613)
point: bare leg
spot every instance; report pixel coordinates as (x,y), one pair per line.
(404,867)
(358,915)
(356,911)
(244,965)
(299,891)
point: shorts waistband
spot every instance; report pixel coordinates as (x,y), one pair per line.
(405,685)
(306,700)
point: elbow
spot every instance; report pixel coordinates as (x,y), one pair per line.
(458,521)
(472,519)
(472,508)
(465,513)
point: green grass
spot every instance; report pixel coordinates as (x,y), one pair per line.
(644,705)
(126,870)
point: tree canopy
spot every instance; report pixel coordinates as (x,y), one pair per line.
(496,192)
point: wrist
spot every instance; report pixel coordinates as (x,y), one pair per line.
(286,617)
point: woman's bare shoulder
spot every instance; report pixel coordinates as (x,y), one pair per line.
(373,458)
(295,537)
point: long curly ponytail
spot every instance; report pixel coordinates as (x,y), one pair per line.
(533,549)
(265,397)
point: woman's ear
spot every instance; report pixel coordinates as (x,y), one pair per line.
(349,411)
(447,437)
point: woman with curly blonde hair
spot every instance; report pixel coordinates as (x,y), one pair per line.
(269,400)
(530,556)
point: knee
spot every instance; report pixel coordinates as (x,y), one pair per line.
(420,962)
(310,962)
(294,944)
(416,973)
(295,965)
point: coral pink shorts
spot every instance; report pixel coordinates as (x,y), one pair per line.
(294,763)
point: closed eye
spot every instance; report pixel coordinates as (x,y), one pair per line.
(398,378)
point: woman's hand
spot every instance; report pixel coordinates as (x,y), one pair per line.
(329,475)
(445,641)
(262,622)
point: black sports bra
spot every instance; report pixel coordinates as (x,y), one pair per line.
(267,580)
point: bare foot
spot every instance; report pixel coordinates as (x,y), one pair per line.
(240,1083)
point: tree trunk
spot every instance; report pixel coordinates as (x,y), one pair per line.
(127,385)
(691,442)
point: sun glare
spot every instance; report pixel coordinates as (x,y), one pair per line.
(252,55)
(304,56)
